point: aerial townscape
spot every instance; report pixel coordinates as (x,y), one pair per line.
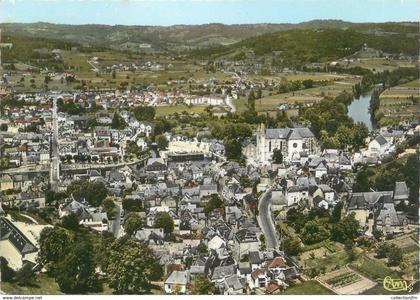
(260,159)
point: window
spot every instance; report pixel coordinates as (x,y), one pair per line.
(294,145)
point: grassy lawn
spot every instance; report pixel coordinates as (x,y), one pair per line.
(374,269)
(306,96)
(19,218)
(168,110)
(45,286)
(330,262)
(308,288)
(242,104)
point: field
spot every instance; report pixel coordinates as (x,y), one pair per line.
(44,286)
(305,97)
(165,110)
(380,64)
(308,288)
(346,282)
(399,103)
(374,269)
(91,72)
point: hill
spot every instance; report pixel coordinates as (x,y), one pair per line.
(179,37)
(298,46)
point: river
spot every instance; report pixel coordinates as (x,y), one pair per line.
(359,110)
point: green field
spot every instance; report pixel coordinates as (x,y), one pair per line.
(331,262)
(44,286)
(306,96)
(374,269)
(308,288)
(171,109)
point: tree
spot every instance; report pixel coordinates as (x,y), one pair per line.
(214,202)
(233,149)
(132,224)
(70,222)
(130,267)
(144,113)
(395,255)
(382,250)
(93,192)
(202,248)
(76,271)
(7,273)
(336,213)
(308,83)
(132,205)
(201,285)
(25,276)
(115,124)
(165,221)
(291,246)
(161,141)
(349,247)
(314,232)
(108,206)
(346,229)
(251,100)
(53,244)
(277,156)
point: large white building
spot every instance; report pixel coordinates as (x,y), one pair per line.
(293,143)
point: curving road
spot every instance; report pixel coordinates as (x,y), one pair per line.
(266,222)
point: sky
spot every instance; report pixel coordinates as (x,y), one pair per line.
(170,12)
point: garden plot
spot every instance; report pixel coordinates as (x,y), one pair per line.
(345,281)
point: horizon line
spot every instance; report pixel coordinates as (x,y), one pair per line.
(211,23)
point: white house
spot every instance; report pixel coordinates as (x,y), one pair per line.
(177,282)
(378,146)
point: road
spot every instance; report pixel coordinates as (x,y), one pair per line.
(231,104)
(266,222)
(116,224)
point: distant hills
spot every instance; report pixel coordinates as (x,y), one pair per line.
(296,46)
(181,37)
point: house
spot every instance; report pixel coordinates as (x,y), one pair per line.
(259,279)
(245,241)
(234,285)
(388,220)
(19,242)
(156,165)
(401,193)
(276,265)
(207,190)
(177,282)
(378,146)
(256,260)
(6,183)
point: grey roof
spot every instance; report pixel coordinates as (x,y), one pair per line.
(388,211)
(223,271)
(8,231)
(288,133)
(381,140)
(177,277)
(255,257)
(401,191)
(366,200)
(234,282)
(197,269)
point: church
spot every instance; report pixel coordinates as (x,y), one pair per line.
(294,143)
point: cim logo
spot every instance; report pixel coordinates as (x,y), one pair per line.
(397,285)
